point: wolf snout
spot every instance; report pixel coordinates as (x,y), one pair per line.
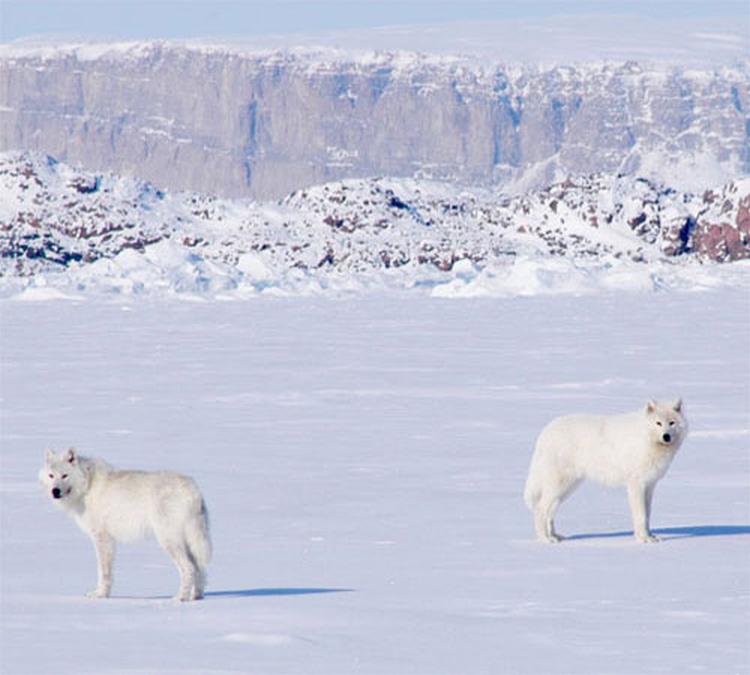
(56,493)
(667,438)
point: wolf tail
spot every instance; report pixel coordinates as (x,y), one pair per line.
(198,537)
(532,492)
(530,495)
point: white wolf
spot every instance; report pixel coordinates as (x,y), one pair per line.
(112,506)
(633,449)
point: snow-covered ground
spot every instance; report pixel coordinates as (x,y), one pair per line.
(363,460)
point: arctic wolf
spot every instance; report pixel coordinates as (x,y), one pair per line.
(113,506)
(633,449)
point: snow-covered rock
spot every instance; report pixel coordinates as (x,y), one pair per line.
(91,230)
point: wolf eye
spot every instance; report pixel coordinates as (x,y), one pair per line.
(671,424)
(64,476)
(658,424)
(51,475)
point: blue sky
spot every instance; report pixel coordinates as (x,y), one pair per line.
(175,19)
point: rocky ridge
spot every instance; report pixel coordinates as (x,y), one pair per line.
(54,218)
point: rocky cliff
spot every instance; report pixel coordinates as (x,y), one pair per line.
(264,124)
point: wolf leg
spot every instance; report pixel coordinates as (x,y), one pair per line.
(544,519)
(554,494)
(178,552)
(199,577)
(198,543)
(649,500)
(105,553)
(552,535)
(640,506)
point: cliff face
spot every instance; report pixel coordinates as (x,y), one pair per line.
(261,125)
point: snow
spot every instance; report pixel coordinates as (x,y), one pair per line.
(696,170)
(363,460)
(167,270)
(43,293)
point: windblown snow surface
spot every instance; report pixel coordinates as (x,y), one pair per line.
(363,459)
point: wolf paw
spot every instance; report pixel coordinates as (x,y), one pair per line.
(647,538)
(551,539)
(97,593)
(188,596)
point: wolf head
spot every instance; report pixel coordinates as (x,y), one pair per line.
(62,476)
(667,426)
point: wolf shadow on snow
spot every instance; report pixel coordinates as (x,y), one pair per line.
(667,533)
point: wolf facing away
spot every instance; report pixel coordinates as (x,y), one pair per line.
(119,506)
(632,449)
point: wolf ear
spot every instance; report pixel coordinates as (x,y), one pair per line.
(650,406)
(49,456)
(70,456)
(677,405)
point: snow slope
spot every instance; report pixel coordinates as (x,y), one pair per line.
(363,460)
